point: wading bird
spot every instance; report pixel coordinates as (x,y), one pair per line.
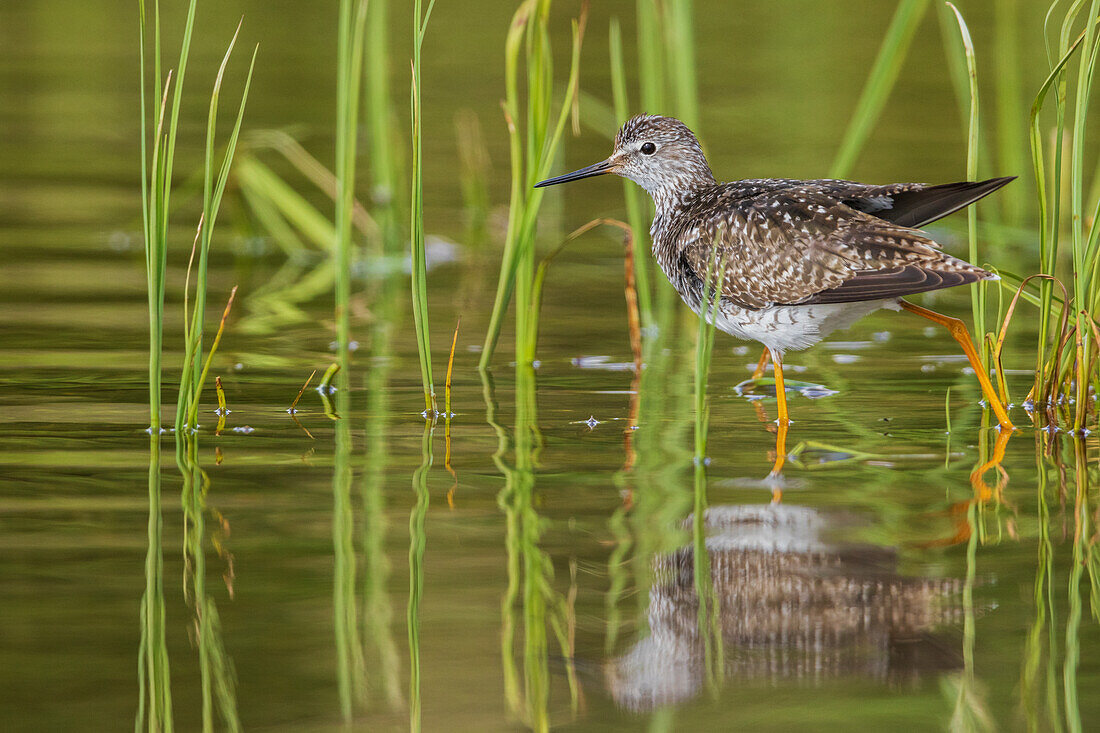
(787,261)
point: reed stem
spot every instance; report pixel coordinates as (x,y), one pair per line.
(419,265)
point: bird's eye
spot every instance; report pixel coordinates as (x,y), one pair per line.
(648,149)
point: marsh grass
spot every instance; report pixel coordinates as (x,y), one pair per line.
(296,224)
(419,283)
(1066,359)
(351,28)
(350,663)
(223,409)
(534,137)
(156,180)
(1066,363)
(194,369)
(158,151)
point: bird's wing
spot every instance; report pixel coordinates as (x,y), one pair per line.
(911,204)
(802,245)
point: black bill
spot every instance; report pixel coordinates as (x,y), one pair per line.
(599,169)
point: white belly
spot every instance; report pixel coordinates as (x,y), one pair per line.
(792,327)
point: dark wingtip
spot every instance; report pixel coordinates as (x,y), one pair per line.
(921,206)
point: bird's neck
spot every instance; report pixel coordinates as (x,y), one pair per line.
(669,195)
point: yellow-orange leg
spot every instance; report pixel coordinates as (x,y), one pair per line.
(982,490)
(783,422)
(762,364)
(958,331)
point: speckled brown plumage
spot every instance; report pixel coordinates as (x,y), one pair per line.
(798,258)
(798,242)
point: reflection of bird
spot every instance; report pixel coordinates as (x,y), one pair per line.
(796,259)
(790,606)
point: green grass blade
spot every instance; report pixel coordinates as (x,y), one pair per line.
(880,82)
(419,283)
(506,279)
(978,293)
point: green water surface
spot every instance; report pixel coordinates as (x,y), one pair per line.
(531,569)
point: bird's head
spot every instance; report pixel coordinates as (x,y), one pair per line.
(657,153)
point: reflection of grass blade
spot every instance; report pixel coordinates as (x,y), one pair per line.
(217,678)
(1035,679)
(1081,537)
(377,612)
(880,82)
(537,572)
(970,711)
(708,619)
(511,531)
(154,672)
(350,664)
(529,594)
(417,541)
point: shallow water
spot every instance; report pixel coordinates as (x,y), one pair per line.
(544,573)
